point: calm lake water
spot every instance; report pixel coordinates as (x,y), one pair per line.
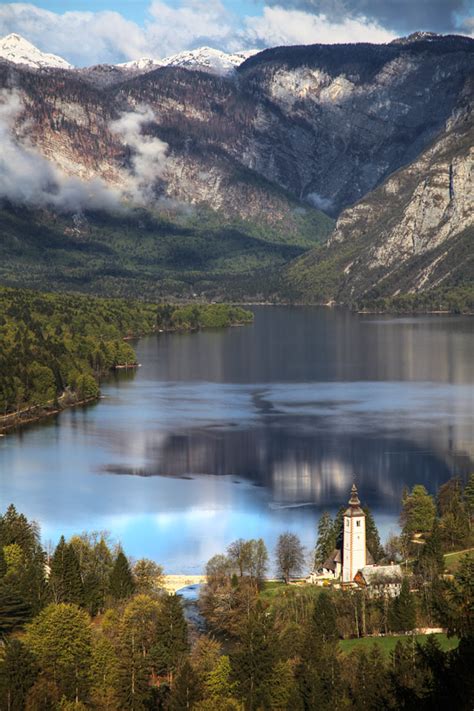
(252,431)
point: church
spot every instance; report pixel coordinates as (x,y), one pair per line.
(352,564)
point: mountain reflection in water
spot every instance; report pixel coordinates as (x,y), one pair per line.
(252,431)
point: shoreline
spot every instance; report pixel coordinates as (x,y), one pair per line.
(36,413)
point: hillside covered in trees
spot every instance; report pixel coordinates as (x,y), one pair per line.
(83,627)
(55,348)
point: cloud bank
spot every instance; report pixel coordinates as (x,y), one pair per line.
(149,154)
(86,38)
(27,177)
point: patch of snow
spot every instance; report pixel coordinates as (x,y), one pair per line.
(208,59)
(144,64)
(18,50)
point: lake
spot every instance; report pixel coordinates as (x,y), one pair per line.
(252,431)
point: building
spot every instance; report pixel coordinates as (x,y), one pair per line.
(354,550)
(380,580)
(352,563)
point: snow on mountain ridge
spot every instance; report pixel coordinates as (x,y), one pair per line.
(205,58)
(18,50)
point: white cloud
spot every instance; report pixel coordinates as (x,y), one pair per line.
(192,24)
(278,26)
(86,38)
(83,38)
(149,153)
(26,177)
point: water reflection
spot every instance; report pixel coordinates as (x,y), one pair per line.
(252,431)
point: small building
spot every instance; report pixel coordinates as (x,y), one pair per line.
(380,580)
(352,564)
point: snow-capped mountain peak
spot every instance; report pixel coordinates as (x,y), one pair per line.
(18,50)
(142,64)
(208,59)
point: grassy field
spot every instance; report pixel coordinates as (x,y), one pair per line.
(387,644)
(452,560)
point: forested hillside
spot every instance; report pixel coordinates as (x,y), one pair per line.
(55,348)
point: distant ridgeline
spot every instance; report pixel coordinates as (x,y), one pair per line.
(55,347)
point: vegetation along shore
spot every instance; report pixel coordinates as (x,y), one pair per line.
(55,348)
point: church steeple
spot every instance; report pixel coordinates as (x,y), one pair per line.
(354,500)
(354,554)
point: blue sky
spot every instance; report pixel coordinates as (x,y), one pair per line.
(89,32)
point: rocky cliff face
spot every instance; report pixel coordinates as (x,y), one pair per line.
(413,233)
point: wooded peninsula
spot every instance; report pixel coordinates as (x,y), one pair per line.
(55,348)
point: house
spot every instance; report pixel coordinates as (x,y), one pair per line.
(380,580)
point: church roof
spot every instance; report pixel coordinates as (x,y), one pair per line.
(354,504)
(335,557)
(381,574)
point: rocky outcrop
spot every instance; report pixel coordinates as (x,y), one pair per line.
(412,233)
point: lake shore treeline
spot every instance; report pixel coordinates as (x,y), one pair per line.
(54,348)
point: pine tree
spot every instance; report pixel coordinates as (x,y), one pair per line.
(15,611)
(17,674)
(402,613)
(172,637)
(60,637)
(254,661)
(324,618)
(326,541)
(121,583)
(372,536)
(430,562)
(186,690)
(468,497)
(57,570)
(74,588)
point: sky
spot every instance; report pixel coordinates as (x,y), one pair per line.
(89,32)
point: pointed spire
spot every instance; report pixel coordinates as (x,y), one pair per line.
(354,500)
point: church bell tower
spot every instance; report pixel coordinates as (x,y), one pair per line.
(354,555)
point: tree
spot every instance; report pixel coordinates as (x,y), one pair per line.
(15,610)
(186,690)
(468,496)
(290,557)
(372,536)
(218,685)
(43,696)
(121,583)
(324,619)
(458,608)
(430,562)
(453,512)
(65,577)
(258,561)
(172,637)
(17,674)
(149,577)
(418,511)
(402,612)
(240,554)
(326,541)
(60,637)
(254,660)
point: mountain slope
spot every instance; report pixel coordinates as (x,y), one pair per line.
(414,233)
(294,129)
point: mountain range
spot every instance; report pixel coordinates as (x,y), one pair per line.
(312,173)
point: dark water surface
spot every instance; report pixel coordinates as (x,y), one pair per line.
(252,431)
